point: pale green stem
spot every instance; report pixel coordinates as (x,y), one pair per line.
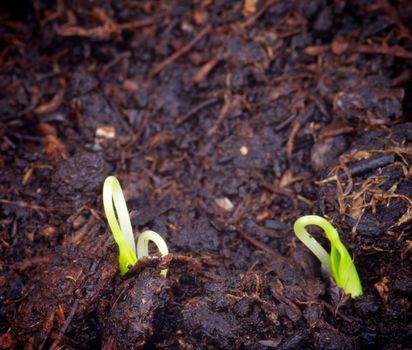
(312,243)
(112,192)
(113,199)
(339,263)
(143,246)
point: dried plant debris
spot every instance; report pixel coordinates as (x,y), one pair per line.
(62,296)
(369,195)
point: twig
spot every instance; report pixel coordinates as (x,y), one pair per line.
(198,108)
(115,61)
(396,51)
(261,11)
(22,204)
(205,70)
(393,14)
(365,165)
(55,14)
(182,51)
(286,122)
(303,115)
(291,138)
(277,189)
(47,327)
(262,246)
(66,325)
(52,105)
(104,31)
(334,129)
(29,263)
(225,108)
(136,24)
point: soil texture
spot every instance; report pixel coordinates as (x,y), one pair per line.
(224,122)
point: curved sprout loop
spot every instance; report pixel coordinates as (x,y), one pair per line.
(143,246)
(121,227)
(339,263)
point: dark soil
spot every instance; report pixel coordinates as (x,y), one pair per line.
(224,121)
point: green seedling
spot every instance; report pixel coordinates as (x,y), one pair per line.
(338,264)
(121,228)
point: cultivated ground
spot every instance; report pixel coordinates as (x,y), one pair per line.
(224,121)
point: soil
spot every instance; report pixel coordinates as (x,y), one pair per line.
(224,121)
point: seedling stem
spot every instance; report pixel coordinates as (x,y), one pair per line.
(121,228)
(339,263)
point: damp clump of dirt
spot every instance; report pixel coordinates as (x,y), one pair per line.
(369,195)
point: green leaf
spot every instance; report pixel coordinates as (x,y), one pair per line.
(123,233)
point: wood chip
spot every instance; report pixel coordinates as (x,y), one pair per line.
(205,70)
(249,8)
(339,46)
(224,203)
(52,105)
(382,287)
(53,147)
(106,132)
(314,50)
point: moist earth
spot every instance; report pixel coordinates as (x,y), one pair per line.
(224,121)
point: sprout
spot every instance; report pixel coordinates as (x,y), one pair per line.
(123,233)
(143,245)
(339,263)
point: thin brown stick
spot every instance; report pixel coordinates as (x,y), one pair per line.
(66,325)
(222,115)
(396,51)
(205,70)
(262,246)
(182,51)
(104,31)
(392,13)
(286,122)
(198,108)
(22,204)
(136,24)
(115,61)
(291,138)
(226,106)
(30,263)
(261,11)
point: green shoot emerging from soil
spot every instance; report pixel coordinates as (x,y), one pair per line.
(339,263)
(123,233)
